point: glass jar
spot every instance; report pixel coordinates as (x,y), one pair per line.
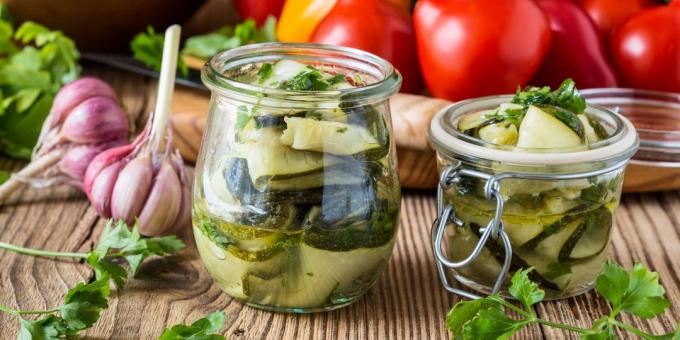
(291,227)
(502,208)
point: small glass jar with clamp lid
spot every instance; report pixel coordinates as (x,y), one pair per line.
(502,208)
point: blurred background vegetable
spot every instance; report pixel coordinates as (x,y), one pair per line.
(258,10)
(470,48)
(300,18)
(646,48)
(34,63)
(609,14)
(576,50)
(380,28)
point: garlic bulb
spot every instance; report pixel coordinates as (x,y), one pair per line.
(133,182)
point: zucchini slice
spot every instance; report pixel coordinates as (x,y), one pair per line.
(331,137)
(540,129)
(502,133)
(473,120)
(315,276)
(590,239)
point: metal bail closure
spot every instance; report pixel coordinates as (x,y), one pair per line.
(446,214)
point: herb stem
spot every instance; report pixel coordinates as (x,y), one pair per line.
(513,307)
(563,326)
(26,312)
(631,329)
(38,252)
(9,310)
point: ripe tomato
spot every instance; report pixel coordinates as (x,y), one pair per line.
(646,49)
(476,48)
(258,10)
(609,14)
(376,26)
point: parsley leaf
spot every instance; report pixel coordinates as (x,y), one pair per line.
(524,290)
(227,37)
(492,323)
(566,97)
(4,176)
(639,294)
(242,117)
(202,329)
(49,327)
(147,47)
(463,312)
(34,63)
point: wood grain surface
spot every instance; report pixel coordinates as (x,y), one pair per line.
(406,303)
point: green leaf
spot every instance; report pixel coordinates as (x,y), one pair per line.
(639,294)
(524,290)
(242,117)
(105,268)
(83,304)
(147,47)
(265,72)
(566,97)
(492,323)
(4,176)
(202,329)
(226,38)
(132,246)
(462,312)
(25,98)
(311,79)
(18,132)
(48,328)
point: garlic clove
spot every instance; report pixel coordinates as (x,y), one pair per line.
(95,120)
(100,191)
(75,93)
(102,161)
(131,189)
(76,160)
(184,215)
(163,203)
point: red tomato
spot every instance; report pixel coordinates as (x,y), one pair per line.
(476,48)
(258,10)
(609,14)
(376,26)
(646,49)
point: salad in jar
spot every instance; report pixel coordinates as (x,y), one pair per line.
(298,212)
(560,227)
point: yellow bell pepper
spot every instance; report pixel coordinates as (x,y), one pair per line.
(299,19)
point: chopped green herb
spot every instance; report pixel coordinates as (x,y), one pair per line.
(311,79)
(514,116)
(242,117)
(341,130)
(265,72)
(566,97)
(4,176)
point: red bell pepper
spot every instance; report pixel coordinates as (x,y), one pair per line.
(258,10)
(609,14)
(646,49)
(576,50)
(376,26)
(475,48)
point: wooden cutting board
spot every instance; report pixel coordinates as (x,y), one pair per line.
(411,115)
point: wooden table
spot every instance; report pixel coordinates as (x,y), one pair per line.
(407,302)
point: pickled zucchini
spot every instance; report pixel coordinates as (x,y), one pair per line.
(308,200)
(561,228)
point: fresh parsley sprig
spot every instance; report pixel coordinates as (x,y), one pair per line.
(566,97)
(638,293)
(82,307)
(206,328)
(116,242)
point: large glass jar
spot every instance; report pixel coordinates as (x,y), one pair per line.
(504,208)
(297,217)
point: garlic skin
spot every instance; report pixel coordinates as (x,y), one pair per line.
(75,161)
(132,183)
(95,120)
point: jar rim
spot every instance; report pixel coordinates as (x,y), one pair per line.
(387,83)
(445,137)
